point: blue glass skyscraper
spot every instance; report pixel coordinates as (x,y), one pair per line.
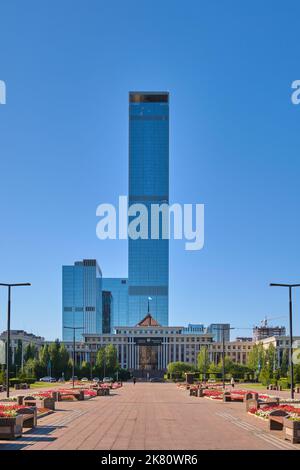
(148,260)
(82,299)
(118,287)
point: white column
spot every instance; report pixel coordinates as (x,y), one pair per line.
(158,354)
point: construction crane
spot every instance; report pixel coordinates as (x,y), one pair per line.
(264,322)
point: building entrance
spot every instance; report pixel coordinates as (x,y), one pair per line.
(148,357)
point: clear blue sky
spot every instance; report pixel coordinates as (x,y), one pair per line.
(234,146)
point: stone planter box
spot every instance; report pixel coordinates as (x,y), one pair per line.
(29,416)
(251,403)
(11,428)
(80,395)
(43,403)
(22,386)
(56,396)
(102,392)
(291,430)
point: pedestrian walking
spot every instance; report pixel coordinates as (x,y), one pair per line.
(232,382)
(134,380)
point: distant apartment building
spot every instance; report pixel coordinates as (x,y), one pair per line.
(81,299)
(194,328)
(281,344)
(18,338)
(266,331)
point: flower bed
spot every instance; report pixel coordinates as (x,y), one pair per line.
(116,385)
(213,394)
(264,411)
(89,393)
(9,410)
(42,395)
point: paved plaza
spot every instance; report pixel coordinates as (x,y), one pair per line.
(149,416)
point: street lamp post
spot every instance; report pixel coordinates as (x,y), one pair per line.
(9,286)
(290,287)
(74,328)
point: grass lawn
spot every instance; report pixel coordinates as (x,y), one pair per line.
(257,386)
(45,384)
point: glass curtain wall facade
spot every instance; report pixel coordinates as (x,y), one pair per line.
(82,299)
(217,329)
(118,287)
(148,260)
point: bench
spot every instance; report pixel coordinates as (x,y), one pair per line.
(276,420)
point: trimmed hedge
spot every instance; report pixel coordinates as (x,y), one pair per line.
(25,380)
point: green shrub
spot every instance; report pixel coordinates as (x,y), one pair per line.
(27,380)
(284,383)
(264,377)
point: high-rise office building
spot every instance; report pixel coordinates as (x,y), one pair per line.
(148,259)
(107,304)
(218,329)
(118,287)
(82,299)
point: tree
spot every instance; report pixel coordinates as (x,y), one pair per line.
(270,360)
(111,356)
(54,353)
(297,373)
(203,360)
(100,360)
(179,368)
(85,369)
(284,363)
(18,354)
(63,360)
(107,360)
(31,368)
(2,376)
(30,352)
(256,358)
(44,358)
